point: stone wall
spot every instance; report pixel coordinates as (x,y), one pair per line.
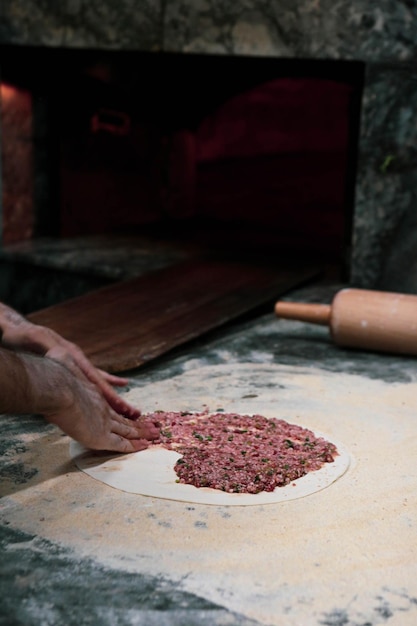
(383,34)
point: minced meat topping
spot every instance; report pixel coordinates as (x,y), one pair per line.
(240,453)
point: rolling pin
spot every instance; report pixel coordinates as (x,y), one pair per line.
(360,318)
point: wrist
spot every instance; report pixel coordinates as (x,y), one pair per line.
(52,385)
(32,384)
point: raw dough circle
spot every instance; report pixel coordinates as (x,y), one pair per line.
(151,473)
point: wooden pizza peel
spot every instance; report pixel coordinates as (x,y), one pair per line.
(127,324)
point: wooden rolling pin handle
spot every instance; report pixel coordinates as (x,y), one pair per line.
(304,312)
(360,318)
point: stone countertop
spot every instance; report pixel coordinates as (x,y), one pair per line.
(75,551)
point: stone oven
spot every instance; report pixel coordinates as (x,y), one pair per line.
(286,128)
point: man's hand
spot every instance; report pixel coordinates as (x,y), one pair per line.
(20,334)
(89,419)
(32,384)
(75,360)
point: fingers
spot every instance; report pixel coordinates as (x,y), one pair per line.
(104,382)
(114,400)
(134,430)
(123,438)
(126,437)
(117,381)
(138,444)
(121,406)
(119,444)
(75,360)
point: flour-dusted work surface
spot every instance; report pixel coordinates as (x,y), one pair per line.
(345,555)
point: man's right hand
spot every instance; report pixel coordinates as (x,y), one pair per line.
(89,419)
(34,384)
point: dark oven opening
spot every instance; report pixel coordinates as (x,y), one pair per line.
(248,155)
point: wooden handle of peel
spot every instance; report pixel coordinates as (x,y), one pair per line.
(360,318)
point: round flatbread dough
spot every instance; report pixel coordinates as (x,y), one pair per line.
(151,473)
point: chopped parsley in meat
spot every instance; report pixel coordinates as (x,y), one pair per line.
(240,453)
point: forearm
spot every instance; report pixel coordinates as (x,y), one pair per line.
(30,384)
